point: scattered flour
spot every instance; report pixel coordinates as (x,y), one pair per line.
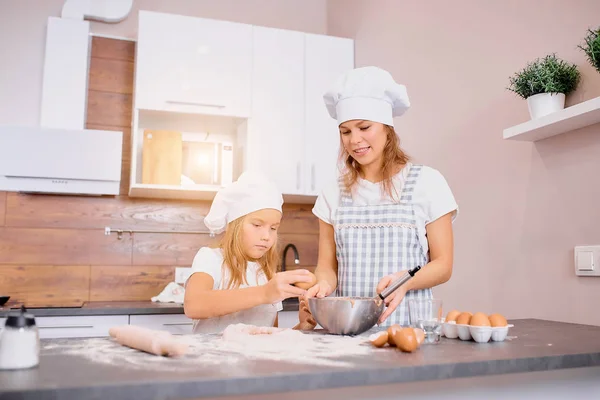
(236,346)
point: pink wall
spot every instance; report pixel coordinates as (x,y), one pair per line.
(23,32)
(524,206)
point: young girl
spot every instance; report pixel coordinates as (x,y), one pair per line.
(237,282)
(384,215)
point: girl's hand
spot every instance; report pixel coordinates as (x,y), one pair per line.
(280,286)
(321,289)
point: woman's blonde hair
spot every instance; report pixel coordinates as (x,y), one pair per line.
(393,157)
(235,259)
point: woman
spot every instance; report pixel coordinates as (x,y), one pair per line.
(384,215)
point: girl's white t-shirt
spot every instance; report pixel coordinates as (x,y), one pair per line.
(431,198)
(210,261)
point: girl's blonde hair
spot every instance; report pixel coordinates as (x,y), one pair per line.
(393,156)
(235,259)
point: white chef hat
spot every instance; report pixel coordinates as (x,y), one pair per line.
(368,93)
(251,192)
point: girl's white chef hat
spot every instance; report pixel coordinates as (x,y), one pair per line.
(367,93)
(251,192)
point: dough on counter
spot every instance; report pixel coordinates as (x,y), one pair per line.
(236,330)
(243,332)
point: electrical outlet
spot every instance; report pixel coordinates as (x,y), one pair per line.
(182,274)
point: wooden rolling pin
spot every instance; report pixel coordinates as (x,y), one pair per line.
(161,343)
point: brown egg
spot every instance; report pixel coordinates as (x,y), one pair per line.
(498,320)
(406,340)
(480,319)
(379,339)
(464,318)
(420,335)
(307,285)
(452,315)
(391,332)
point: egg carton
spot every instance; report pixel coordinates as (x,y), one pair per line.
(480,334)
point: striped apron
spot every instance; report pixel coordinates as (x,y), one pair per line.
(373,241)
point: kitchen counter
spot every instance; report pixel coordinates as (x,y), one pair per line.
(534,345)
(119,308)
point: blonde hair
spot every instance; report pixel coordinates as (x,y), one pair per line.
(235,259)
(393,157)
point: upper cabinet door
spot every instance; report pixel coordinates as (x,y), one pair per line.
(327,58)
(276,129)
(193,65)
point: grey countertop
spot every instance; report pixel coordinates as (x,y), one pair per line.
(120,308)
(69,370)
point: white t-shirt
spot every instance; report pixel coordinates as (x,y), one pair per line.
(210,261)
(431,198)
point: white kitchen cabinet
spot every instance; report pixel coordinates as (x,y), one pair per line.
(287,319)
(78,326)
(264,86)
(326,58)
(174,323)
(193,65)
(276,129)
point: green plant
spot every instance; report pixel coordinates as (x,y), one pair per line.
(592,48)
(548,75)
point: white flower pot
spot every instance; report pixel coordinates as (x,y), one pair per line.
(545,103)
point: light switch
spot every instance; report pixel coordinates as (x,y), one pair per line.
(585,260)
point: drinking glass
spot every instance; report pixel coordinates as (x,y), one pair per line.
(427,315)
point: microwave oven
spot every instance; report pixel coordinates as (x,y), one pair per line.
(173,158)
(206,163)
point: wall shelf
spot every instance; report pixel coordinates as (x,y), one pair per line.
(574,117)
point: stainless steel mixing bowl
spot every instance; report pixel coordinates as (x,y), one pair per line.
(346,315)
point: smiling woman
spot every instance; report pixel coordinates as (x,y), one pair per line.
(384,215)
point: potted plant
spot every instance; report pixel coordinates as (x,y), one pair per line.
(544,83)
(592,48)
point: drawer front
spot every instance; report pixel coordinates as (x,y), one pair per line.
(174,323)
(78,326)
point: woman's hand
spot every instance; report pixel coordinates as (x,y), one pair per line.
(394,299)
(320,289)
(307,322)
(280,286)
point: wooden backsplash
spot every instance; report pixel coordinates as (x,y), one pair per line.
(53,251)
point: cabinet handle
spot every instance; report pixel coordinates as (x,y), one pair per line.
(298,175)
(67,327)
(179,324)
(195,103)
(312,177)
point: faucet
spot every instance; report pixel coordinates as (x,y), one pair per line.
(296,256)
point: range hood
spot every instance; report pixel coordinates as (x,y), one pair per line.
(60,161)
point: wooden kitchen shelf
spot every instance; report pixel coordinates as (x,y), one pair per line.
(191,192)
(574,117)
(198,192)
